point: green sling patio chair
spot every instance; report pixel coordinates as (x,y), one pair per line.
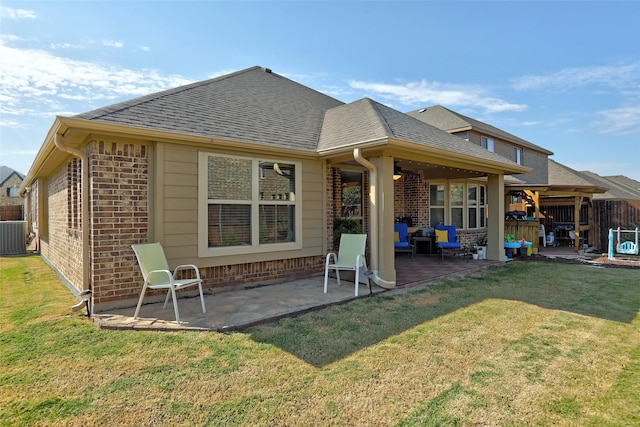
(155,270)
(350,257)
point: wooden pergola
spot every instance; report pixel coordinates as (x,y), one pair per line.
(559,195)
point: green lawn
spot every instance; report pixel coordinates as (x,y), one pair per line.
(530,343)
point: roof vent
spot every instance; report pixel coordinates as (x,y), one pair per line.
(422,111)
(267,70)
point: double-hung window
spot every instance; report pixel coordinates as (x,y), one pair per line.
(465,205)
(518,156)
(13,191)
(472,206)
(436,204)
(487,143)
(476,206)
(482,207)
(248,205)
(456,199)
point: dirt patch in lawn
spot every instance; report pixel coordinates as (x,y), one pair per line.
(625,261)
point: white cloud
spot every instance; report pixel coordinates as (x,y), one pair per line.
(36,82)
(531,123)
(112,43)
(621,82)
(620,121)
(11,13)
(9,123)
(64,46)
(425,93)
(613,76)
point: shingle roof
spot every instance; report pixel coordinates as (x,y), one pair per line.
(619,187)
(6,172)
(448,120)
(366,120)
(254,105)
(560,174)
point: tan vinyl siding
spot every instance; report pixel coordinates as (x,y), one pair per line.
(178,199)
(313,208)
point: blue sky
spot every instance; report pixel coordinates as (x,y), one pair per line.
(562,75)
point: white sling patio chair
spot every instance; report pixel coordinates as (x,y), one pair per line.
(543,234)
(350,257)
(155,270)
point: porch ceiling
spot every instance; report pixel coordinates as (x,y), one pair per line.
(557,190)
(428,171)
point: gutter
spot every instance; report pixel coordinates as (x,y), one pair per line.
(373,208)
(84,165)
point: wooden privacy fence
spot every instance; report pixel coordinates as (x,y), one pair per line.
(528,230)
(613,214)
(11,213)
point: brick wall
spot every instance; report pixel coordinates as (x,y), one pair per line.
(120,218)
(62,245)
(239,276)
(119,174)
(411,199)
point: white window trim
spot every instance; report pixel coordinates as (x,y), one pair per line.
(462,206)
(203,241)
(465,205)
(445,206)
(518,155)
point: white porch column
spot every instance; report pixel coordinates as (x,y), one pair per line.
(384,198)
(495,222)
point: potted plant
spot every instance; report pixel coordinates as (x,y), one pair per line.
(474,253)
(481,245)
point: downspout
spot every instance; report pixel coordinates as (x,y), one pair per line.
(373,211)
(84,162)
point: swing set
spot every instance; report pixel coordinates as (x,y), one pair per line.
(627,247)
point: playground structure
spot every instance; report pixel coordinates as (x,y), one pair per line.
(627,247)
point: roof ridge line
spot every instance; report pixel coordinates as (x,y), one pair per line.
(381,117)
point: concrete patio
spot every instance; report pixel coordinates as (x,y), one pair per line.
(254,305)
(239,309)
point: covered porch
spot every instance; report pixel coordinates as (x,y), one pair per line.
(423,190)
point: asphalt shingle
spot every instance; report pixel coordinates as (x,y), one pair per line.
(254,105)
(449,120)
(366,120)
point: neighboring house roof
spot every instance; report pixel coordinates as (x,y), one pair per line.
(561,175)
(369,120)
(252,105)
(563,181)
(6,173)
(450,121)
(618,187)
